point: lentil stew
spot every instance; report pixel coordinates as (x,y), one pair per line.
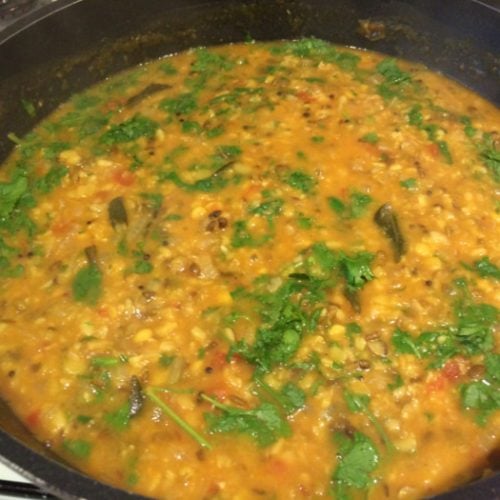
(258,271)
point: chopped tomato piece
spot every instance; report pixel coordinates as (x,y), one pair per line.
(33,418)
(124,177)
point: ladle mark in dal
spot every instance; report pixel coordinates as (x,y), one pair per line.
(258,270)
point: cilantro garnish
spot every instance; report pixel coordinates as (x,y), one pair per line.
(264,423)
(470,335)
(360,403)
(395,79)
(87,284)
(484,396)
(485,268)
(357,458)
(301,181)
(416,119)
(130,130)
(354,208)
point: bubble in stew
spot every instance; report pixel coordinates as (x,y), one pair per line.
(258,271)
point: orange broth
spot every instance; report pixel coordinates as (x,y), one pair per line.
(258,271)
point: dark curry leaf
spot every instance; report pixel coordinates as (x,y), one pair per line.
(385,217)
(117,213)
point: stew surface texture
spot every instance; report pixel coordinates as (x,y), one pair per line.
(258,271)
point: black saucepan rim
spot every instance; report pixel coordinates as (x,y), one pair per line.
(50,473)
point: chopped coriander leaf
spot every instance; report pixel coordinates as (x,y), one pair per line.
(214,182)
(151,394)
(264,423)
(416,118)
(469,130)
(337,205)
(370,138)
(166,360)
(404,343)
(471,334)
(290,397)
(120,418)
(355,208)
(356,269)
(269,208)
(318,139)
(484,396)
(357,458)
(191,127)
(243,238)
(445,151)
(395,79)
(410,183)
(301,181)
(359,204)
(52,150)
(180,105)
(485,268)
(390,70)
(173,217)
(304,222)
(168,68)
(87,284)
(359,403)
(77,447)
(490,156)
(85,101)
(287,314)
(130,130)
(105,361)
(51,179)
(11,193)
(141,264)
(29,107)
(319,50)
(154,200)
(492,364)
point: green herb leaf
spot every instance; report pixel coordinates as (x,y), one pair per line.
(183,104)
(10,194)
(410,183)
(78,447)
(354,209)
(301,181)
(370,138)
(358,457)
(243,238)
(264,423)
(486,269)
(51,179)
(356,269)
(130,130)
(87,285)
(151,394)
(404,343)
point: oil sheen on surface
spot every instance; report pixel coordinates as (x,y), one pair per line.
(258,271)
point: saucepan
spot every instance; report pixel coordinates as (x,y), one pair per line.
(64,47)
